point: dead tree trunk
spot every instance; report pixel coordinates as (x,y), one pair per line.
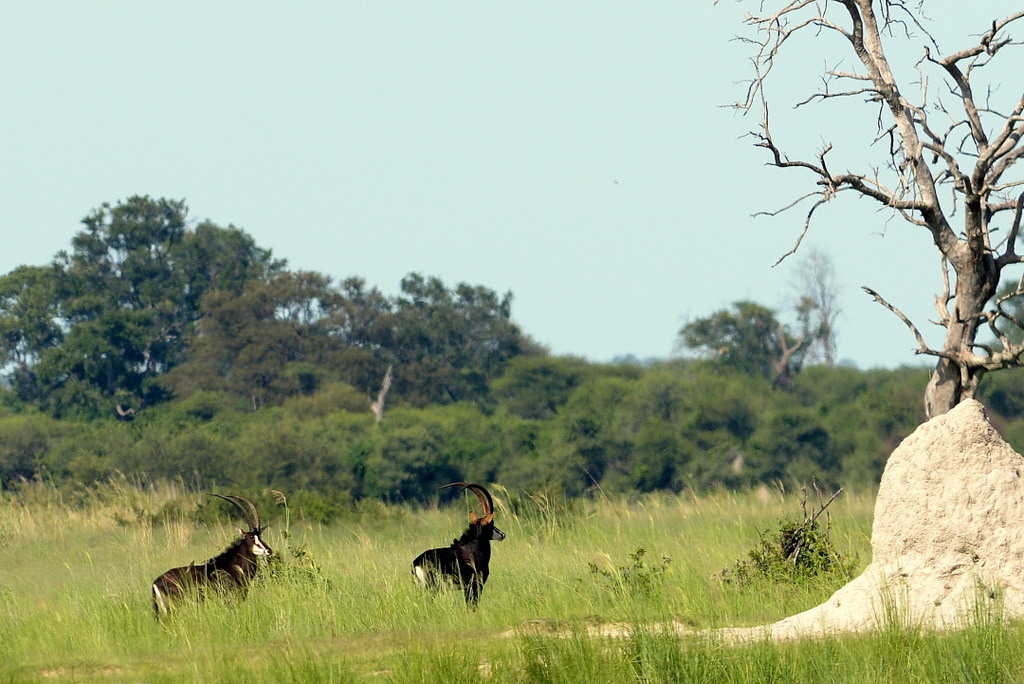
(782,368)
(958,372)
(378,406)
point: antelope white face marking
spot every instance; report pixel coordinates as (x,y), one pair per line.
(259,548)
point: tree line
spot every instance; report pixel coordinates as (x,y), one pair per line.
(554,425)
(559,427)
(158,350)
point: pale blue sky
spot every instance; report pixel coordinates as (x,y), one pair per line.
(573,153)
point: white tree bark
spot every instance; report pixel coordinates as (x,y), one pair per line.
(378,406)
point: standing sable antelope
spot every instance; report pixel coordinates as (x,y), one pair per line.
(464,563)
(234,568)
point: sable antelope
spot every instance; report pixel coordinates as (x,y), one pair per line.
(234,568)
(465,562)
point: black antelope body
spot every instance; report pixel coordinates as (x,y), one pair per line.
(234,568)
(466,562)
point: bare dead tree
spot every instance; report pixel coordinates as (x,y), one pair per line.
(782,368)
(818,307)
(378,406)
(962,152)
(124,414)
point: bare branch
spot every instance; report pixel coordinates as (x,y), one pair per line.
(1010,255)
(966,94)
(776,30)
(792,204)
(999,313)
(800,238)
(922,346)
(1004,151)
(822,507)
(830,95)
(781,368)
(1008,205)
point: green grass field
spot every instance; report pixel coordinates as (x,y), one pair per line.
(340,606)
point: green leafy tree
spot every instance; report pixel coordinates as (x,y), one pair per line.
(418,450)
(249,344)
(537,386)
(658,455)
(592,435)
(360,333)
(721,417)
(793,446)
(30,321)
(364,317)
(749,339)
(24,440)
(122,304)
(449,343)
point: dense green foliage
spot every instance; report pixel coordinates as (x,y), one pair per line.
(226,368)
(748,337)
(557,426)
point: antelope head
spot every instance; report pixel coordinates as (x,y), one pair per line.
(252,519)
(486,504)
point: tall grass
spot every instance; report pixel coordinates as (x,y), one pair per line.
(341,607)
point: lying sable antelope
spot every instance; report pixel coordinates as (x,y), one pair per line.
(234,568)
(466,562)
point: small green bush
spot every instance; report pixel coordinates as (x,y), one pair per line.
(296,561)
(795,551)
(634,579)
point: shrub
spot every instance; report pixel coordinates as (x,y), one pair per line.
(634,579)
(795,551)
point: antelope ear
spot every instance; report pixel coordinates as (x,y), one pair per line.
(486,520)
(472,518)
(241,532)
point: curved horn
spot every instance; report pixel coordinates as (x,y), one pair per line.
(486,503)
(485,498)
(252,518)
(256,526)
